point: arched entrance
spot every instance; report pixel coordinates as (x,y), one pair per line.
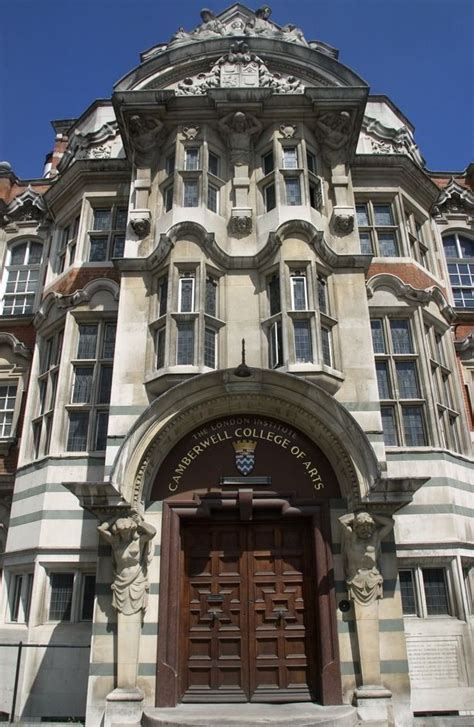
(247,611)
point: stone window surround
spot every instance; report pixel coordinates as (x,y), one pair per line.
(457,596)
(311,272)
(168,321)
(79,573)
(12,243)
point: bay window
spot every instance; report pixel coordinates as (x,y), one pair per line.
(378,230)
(107,236)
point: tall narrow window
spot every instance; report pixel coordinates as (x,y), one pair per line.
(7,409)
(67,245)
(276,345)
(303,346)
(214,164)
(459,253)
(185,344)
(443,389)
(274,294)
(92,383)
(186,294)
(210,304)
(50,357)
(401,402)
(190,192)
(22,278)
(160,347)
(162,295)
(268,162)
(299,293)
(61,596)
(270,198)
(168,197)
(213,198)
(191,159)
(293,191)
(210,348)
(290,157)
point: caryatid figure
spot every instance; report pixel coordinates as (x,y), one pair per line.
(362,535)
(238,129)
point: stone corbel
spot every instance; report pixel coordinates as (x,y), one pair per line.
(140,222)
(240,222)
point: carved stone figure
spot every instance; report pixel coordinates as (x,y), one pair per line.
(344,222)
(260,24)
(288,130)
(211,27)
(140,226)
(362,535)
(292,34)
(190,132)
(238,129)
(144,134)
(333,129)
(130,539)
(240,225)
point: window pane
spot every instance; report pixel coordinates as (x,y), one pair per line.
(163,295)
(290,158)
(407,380)
(191,159)
(160,348)
(413,426)
(186,289)
(467,246)
(108,345)
(268,163)
(98,251)
(276,349)
(82,384)
(77,437)
(210,348)
(436,594)
(87,341)
(185,345)
(407,590)
(274,294)
(383,381)
(388,245)
(293,191)
(118,246)
(389,427)
(365,243)
(211,296)
(105,384)
(121,218)
(270,198)
(401,339)
(169,198)
(170,164)
(36,251)
(7,406)
(101,431)
(450,248)
(16,600)
(88,594)
(298,287)
(311,162)
(212,198)
(326,344)
(383,214)
(102,219)
(362,215)
(322,294)
(61,596)
(303,348)
(214,164)
(378,340)
(190,193)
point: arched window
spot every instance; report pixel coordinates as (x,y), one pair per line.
(21,278)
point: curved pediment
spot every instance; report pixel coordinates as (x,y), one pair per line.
(238,48)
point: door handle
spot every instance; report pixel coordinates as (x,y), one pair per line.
(215,615)
(280,614)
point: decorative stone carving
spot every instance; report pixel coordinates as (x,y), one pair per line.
(28,206)
(256,25)
(95,152)
(129,538)
(238,68)
(91,145)
(456,200)
(288,130)
(421,296)
(240,225)
(333,129)
(343,222)
(141,226)
(362,535)
(145,135)
(237,129)
(388,140)
(190,132)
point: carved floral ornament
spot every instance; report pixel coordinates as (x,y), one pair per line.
(238,68)
(92,145)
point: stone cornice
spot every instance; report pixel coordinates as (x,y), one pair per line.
(27,206)
(67,302)
(83,171)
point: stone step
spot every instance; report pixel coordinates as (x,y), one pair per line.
(250,715)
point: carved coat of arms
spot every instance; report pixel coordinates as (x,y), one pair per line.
(244,455)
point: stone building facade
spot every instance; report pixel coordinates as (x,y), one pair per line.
(236,391)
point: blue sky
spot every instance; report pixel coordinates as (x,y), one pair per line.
(58,56)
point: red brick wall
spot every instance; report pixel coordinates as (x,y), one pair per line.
(407,272)
(77,278)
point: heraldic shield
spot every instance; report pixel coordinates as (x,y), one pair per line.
(244,455)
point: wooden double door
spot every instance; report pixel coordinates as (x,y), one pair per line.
(247,629)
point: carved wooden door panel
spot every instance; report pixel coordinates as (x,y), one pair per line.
(246,612)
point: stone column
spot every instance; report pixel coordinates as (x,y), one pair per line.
(130,538)
(362,536)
